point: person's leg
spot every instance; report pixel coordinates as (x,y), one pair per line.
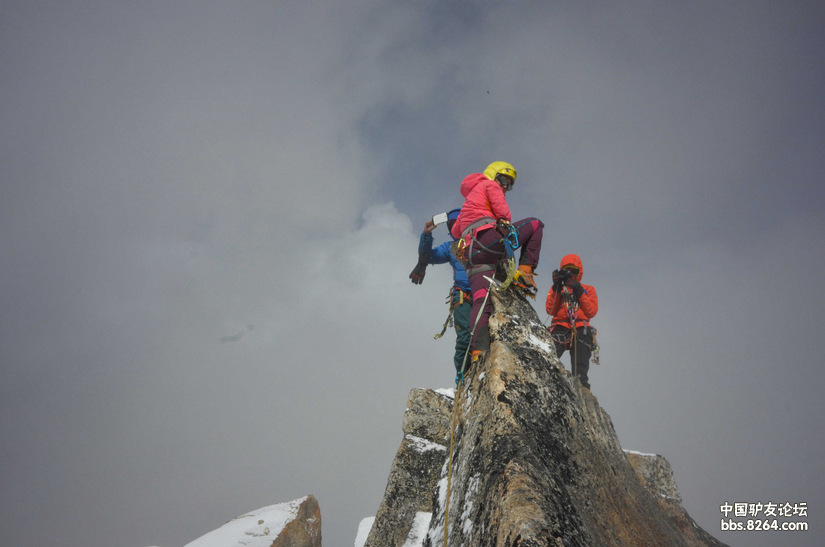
(530,233)
(584,341)
(487,247)
(487,250)
(480,313)
(560,336)
(461,319)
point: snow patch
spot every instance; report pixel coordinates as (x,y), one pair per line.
(258,528)
(472,491)
(364,528)
(536,341)
(437,533)
(418,530)
(442,488)
(447,392)
(423,445)
(640,453)
(468,402)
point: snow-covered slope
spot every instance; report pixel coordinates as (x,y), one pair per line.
(255,529)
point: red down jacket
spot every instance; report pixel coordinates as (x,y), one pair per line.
(483,198)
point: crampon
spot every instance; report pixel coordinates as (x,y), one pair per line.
(523,281)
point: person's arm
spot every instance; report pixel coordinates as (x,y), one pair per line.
(498,204)
(441,254)
(553,303)
(425,249)
(589,302)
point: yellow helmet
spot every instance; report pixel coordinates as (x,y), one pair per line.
(500,168)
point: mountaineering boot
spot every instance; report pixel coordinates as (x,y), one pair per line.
(475,356)
(523,279)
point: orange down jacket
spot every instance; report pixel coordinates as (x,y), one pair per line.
(588,303)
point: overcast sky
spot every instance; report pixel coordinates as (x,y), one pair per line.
(209,212)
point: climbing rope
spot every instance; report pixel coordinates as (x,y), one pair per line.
(450,464)
(459,382)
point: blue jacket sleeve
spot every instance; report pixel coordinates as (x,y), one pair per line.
(437,255)
(442,255)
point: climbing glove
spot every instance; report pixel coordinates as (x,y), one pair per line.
(418,272)
(576,287)
(558,283)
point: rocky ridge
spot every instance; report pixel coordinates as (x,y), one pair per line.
(536,460)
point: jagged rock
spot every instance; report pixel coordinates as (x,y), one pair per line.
(536,460)
(656,475)
(305,529)
(428,415)
(407,504)
(292,524)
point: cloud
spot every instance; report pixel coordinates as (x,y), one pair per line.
(174,177)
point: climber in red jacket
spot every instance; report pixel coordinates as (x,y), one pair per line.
(570,302)
(484,215)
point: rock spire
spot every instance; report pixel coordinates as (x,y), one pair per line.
(536,460)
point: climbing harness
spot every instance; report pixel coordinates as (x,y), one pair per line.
(459,382)
(463,296)
(505,270)
(462,248)
(458,248)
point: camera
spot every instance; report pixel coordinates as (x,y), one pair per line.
(565,275)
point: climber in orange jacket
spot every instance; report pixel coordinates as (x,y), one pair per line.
(570,302)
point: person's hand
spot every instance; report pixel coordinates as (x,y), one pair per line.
(576,287)
(558,284)
(418,272)
(417,275)
(429,227)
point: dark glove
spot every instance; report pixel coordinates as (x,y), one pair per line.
(417,274)
(576,287)
(558,284)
